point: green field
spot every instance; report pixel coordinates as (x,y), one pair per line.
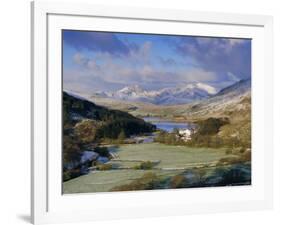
(169,161)
(104,181)
(169,156)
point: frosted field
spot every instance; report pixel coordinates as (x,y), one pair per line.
(169,156)
(169,161)
(104,181)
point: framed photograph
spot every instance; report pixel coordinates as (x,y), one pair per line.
(149,112)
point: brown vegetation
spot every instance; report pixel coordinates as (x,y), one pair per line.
(148,181)
(178,181)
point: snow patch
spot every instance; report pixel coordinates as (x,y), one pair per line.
(167,96)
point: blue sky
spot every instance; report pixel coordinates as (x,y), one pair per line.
(107,61)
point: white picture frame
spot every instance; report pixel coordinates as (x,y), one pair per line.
(48,205)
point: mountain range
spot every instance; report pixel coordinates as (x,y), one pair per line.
(235,98)
(167,96)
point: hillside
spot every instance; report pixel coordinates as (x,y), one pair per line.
(85,123)
(77,109)
(233,99)
(237,88)
(233,102)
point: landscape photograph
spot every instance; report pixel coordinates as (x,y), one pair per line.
(154,111)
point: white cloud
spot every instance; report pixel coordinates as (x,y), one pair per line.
(135,68)
(79,58)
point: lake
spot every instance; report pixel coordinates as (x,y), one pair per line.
(166,125)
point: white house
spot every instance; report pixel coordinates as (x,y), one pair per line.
(185,134)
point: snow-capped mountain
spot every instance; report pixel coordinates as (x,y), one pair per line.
(131,93)
(167,96)
(234,98)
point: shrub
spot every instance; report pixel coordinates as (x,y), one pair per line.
(136,167)
(104,167)
(148,181)
(242,150)
(178,181)
(232,176)
(86,130)
(144,166)
(228,151)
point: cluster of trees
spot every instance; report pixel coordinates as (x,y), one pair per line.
(205,135)
(123,127)
(210,126)
(168,138)
(100,122)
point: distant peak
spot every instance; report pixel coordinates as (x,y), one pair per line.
(205,87)
(210,89)
(134,87)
